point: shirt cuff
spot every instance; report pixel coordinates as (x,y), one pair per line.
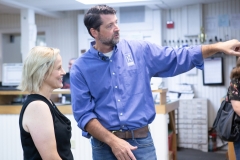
(197,57)
(84,122)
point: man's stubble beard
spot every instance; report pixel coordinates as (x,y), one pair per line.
(109,42)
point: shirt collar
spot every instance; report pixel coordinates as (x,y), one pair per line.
(99,54)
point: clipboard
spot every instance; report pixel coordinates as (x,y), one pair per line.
(213,71)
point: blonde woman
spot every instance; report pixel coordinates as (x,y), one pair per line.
(45,131)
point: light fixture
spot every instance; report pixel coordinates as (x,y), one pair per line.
(108,1)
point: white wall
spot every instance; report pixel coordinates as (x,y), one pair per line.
(210,11)
(11,149)
(11,49)
(158,33)
(60,33)
(149,30)
(63,33)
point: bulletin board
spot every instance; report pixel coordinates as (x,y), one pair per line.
(213,71)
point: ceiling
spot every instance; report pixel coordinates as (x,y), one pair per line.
(55,8)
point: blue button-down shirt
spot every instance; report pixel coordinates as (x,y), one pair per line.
(117,90)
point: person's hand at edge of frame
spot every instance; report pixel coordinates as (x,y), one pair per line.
(231,47)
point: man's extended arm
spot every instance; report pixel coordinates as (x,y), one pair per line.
(231,47)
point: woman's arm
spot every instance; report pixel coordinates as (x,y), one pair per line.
(38,121)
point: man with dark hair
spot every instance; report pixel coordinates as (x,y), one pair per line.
(110,85)
(66,80)
(66,77)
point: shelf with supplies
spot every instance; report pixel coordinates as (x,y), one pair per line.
(8,107)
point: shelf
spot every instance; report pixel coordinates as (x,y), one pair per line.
(163,95)
(56,91)
(15,109)
(164,90)
(6,108)
(67,109)
(166,108)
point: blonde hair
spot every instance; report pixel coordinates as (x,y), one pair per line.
(37,66)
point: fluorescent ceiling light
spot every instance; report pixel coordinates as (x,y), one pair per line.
(108,1)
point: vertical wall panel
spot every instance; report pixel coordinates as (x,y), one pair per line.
(213,93)
(10,143)
(82,149)
(11,149)
(9,21)
(60,32)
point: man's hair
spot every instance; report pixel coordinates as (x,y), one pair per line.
(37,66)
(92,18)
(235,73)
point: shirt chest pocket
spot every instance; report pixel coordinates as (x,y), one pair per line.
(132,81)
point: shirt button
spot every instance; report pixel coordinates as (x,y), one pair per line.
(113,73)
(118,100)
(116,87)
(122,126)
(121,114)
(110,60)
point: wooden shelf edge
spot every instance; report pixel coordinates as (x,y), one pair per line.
(160,90)
(166,108)
(10,109)
(56,91)
(66,109)
(15,109)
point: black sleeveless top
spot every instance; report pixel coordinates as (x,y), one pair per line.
(62,129)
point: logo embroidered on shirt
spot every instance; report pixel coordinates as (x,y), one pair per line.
(129,59)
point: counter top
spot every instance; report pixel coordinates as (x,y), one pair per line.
(166,108)
(67,109)
(5,108)
(15,109)
(56,91)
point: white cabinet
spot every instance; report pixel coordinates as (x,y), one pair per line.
(193,124)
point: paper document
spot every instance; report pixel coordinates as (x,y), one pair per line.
(213,70)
